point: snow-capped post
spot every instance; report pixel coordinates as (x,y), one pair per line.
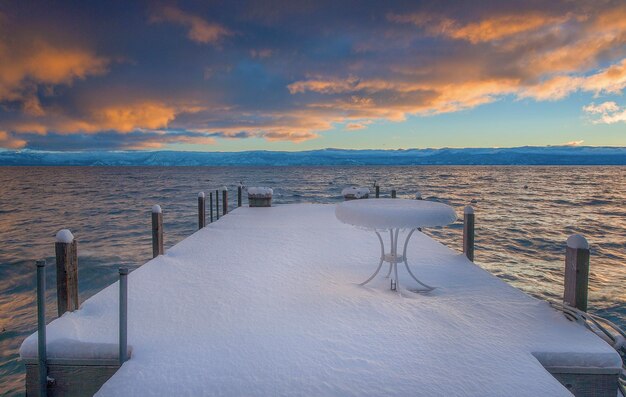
(41,327)
(260,196)
(377,191)
(201,210)
(576,272)
(355,193)
(157,231)
(211,207)
(123,332)
(468,232)
(418,196)
(217,204)
(393,193)
(225,200)
(239,189)
(67,271)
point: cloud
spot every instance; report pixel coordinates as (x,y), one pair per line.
(574,143)
(28,65)
(358,125)
(606,113)
(10,142)
(200,31)
(488,29)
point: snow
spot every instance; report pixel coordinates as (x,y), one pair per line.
(383,214)
(64,236)
(156,209)
(260,191)
(232,311)
(201,195)
(577,241)
(468,210)
(357,192)
(223,188)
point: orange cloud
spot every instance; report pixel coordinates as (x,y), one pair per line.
(10,142)
(489,29)
(25,66)
(200,30)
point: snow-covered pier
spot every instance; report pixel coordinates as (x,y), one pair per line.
(266,302)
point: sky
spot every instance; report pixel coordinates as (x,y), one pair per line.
(301,75)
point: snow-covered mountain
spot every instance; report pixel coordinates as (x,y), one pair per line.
(527,155)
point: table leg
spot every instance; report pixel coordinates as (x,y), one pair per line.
(406,243)
(380,264)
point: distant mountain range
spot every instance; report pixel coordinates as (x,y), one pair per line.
(527,155)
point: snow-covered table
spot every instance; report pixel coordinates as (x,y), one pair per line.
(393,215)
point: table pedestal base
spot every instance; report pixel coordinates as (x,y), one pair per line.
(393,259)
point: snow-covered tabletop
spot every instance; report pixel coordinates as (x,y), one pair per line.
(394,215)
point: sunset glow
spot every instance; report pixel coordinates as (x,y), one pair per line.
(304,75)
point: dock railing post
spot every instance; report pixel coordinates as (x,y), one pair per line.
(41,327)
(217,204)
(201,210)
(211,207)
(239,196)
(225,200)
(576,272)
(377,191)
(123,333)
(67,271)
(157,231)
(468,232)
(393,193)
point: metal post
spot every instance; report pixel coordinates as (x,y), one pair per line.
(66,251)
(393,193)
(123,315)
(576,272)
(225,200)
(468,232)
(239,196)
(41,326)
(201,210)
(217,204)
(377,191)
(211,206)
(157,231)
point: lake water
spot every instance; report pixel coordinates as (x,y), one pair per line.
(523,217)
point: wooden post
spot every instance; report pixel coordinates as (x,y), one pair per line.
(239,196)
(201,210)
(393,193)
(377,191)
(225,200)
(576,272)
(211,207)
(217,204)
(468,232)
(67,272)
(157,231)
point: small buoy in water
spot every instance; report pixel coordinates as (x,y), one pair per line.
(525,186)
(473,201)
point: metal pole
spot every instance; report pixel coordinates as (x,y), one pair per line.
(217,204)
(211,206)
(41,326)
(239,196)
(123,314)
(377,191)
(393,193)
(225,200)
